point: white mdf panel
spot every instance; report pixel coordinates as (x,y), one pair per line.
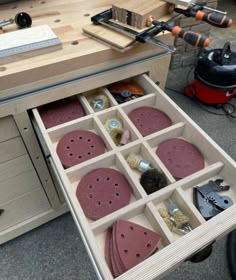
(8,128)
(23,208)
(11,149)
(19,185)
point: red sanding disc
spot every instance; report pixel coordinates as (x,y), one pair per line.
(61,111)
(78,146)
(103,191)
(149,120)
(134,242)
(180,157)
(107,249)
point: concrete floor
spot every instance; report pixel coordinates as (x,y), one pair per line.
(55,251)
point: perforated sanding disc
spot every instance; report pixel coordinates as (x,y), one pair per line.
(180,157)
(78,146)
(134,242)
(61,111)
(103,191)
(107,249)
(149,120)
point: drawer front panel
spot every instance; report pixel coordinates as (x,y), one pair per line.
(15,167)
(8,129)
(143,209)
(23,208)
(19,185)
(11,149)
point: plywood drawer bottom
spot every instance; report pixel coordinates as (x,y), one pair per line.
(23,208)
(143,209)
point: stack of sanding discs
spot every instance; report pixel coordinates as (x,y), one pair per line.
(127,244)
(103,191)
(78,146)
(61,111)
(180,157)
(149,120)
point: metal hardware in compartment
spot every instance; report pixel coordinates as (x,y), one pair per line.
(116,123)
(98,100)
(225,175)
(144,153)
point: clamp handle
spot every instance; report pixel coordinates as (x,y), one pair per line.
(215,19)
(194,39)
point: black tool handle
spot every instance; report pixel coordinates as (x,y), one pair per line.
(215,19)
(148,33)
(102,17)
(194,39)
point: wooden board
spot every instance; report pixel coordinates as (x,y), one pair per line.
(30,41)
(108,36)
(136,12)
(181,2)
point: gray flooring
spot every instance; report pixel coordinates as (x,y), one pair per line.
(55,251)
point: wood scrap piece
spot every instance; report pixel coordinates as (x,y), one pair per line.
(135,12)
(106,35)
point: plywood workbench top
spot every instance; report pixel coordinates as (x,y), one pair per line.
(66,18)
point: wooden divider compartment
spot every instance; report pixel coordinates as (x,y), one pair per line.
(88,96)
(88,123)
(113,161)
(142,215)
(174,196)
(184,132)
(143,150)
(143,208)
(119,115)
(220,171)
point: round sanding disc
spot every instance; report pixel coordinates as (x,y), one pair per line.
(149,120)
(180,157)
(103,191)
(61,111)
(78,146)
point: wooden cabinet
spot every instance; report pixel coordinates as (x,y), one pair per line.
(22,196)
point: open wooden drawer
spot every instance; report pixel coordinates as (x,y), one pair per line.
(143,208)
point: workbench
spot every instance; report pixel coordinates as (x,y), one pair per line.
(31,177)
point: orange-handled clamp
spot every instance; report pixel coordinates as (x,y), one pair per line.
(194,39)
(215,19)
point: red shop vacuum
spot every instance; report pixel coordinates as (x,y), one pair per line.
(215,77)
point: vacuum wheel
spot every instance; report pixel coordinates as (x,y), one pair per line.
(231,253)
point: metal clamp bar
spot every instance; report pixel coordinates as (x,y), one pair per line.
(83,237)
